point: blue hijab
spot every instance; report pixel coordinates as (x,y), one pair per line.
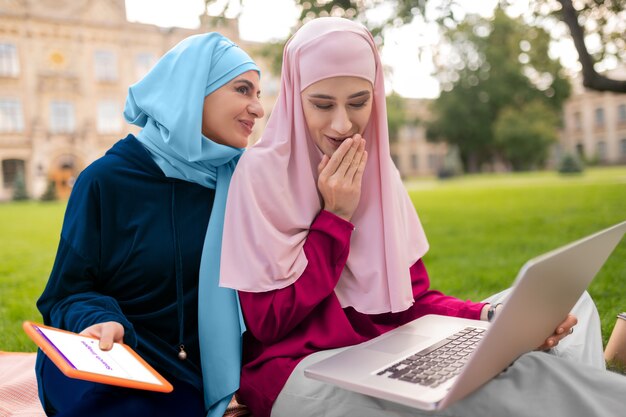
(168,103)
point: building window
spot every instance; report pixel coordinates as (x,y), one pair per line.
(412,133)
(599,116)
(601,150)
(109,120)
(622,147)
(144,62)
(62,117)
(580,150)
(414,162)
(11,118)
(11,169)
(9,62)
(621,113)
(105,64)
(433,162)
(577,121)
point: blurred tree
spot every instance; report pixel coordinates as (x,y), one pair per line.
(491,65)
(273,52)
(396,115)
(598,22)
(524,134)
(51,192)
(19,187)
(570,164)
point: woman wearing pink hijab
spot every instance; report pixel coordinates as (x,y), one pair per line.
(324,245)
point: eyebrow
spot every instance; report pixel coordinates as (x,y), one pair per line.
(351,96)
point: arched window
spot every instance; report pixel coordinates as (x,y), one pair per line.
(599,117)
(11,170)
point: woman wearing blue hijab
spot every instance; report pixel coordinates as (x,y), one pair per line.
(138,258)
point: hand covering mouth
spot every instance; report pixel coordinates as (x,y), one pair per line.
(338,140)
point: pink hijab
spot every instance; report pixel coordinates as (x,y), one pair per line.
(273,197)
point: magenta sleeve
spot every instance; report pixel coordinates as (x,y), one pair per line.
(273,314)
(429,301)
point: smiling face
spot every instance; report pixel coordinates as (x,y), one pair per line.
(335,109)
(230,111)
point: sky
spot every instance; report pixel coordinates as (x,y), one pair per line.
(266,20)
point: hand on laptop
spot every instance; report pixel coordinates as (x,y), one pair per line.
(562,331)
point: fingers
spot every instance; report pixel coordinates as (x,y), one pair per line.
(108,333)
(357,160)
(345,161)
(107,338)
(340,176)
(562,331)
(323,163)
(337,157)
(566,327)
(351,158)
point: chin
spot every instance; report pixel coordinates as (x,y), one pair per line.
(243,143)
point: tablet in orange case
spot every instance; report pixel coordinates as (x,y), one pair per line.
(79,356)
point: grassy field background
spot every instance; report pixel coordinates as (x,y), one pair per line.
(481,230)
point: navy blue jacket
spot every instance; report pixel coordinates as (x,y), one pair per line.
(130,247)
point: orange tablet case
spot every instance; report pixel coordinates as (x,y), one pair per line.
(68,369)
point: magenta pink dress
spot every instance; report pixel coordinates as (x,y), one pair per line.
(286,325)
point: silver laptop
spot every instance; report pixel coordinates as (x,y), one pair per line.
(434,361)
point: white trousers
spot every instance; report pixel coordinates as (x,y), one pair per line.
(570,382)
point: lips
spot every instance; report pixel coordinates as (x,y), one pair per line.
(335,141)
(248,125)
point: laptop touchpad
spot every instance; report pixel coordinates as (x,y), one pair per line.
(398,342)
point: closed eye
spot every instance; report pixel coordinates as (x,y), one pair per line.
(359,104)
(323,106)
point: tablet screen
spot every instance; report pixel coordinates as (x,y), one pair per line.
(80,356)
(83,353)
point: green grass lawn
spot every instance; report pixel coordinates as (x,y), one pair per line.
(481,230)
(29,235)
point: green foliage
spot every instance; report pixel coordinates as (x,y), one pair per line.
(51,192)
(396,114)
(598,18)
(273,53)
(494,65)
(19,187)
(570,164)
(524,134)
(481,230)
(28,243)
(452,164)
(615,366)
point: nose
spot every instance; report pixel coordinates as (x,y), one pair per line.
(256,109)
(341,122)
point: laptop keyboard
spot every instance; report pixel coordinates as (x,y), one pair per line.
(437,363)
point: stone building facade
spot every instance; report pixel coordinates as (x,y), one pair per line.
(65,67)
(594,125)
(411,152)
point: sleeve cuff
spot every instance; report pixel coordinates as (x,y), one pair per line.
(333,225)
